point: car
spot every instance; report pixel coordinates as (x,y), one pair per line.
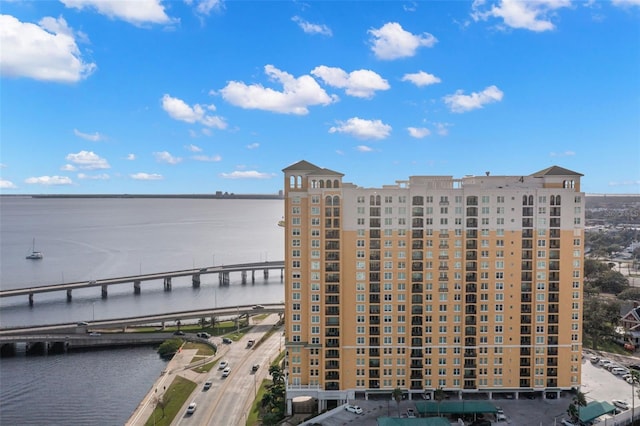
(619,371)
(500,417)
(94,333)
(250,342)
(83,324)
(203,269)
(227,340)
(179,333)
(566,422)
(226,372)
(425,396)
(411,414)
(223,365)
(257,307)
(207,384)
(353,409)
(92,282)
(630,380)
(203,335)
(604,362)
(255,367)
(620,404)
(499,410)
(192,408)
(551,395)
(595,359)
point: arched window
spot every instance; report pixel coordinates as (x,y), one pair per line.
(557,200)
(530,200)
(328,183)
(321,184)
(299,182)
(553,200)
(336,183)
(314,183)
(378,200)
(292,181)
(372,200)
(524,200)
(336,200)
(328,200)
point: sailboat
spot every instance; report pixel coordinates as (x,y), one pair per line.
(34,255)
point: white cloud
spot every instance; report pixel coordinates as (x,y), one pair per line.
(254,145)
(421,78)
(208,158)
(137,13)
(626,3)
(47,51)
(88,160)
(362,129)
(298,94)
(524,14)
(624,183)
(145,176)
(166,157)
(49,180)
(68,168)
(7,184)
(562,154)
(247,174)
(392,42)
(102,176)
(204,7)
(418,132)
(94,137)
(130,157)
(364,148)
(442,128)
(310,28)
(360,83)
(463,103)
(193,148)
(179,110)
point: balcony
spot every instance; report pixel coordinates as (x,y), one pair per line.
(554,287)
(417,244)
(554,222)
(416,320)
(472,223)
(374,233)
(527,244)
(332,343)
(525,319)
(472,244)
(525,340)
(471,288)
(416,288)
(470,310)
(469,363)
(374,352)
(332,332)
(470,331)
(374,384)
(552,372)
(469,384)
(331,353)
(527,254)
(374,331)
(332,375)
(416,331)
(471,266)
(552,319)
(416,299)
(553,297)
(443,277)
(332,300)
(374,374)
(552,362)
(332,321)
(525,351)
(416,310)
(470,320)
(332,278)
(332,365)
(332,255)
(374,255)
(471,255)
(525,372)
(332,234)
(525,297)
(472,233)
(416,353)
(416,374)
(525,329)
(417,222)
(374,266)
(527,223)
(552,340)
(525,362)
(415,364)
(374,363)
(470,298)
(374,288)
(525,309)
(469,374)
(472,200)
(527,233)
(374,277)
(374,298)
(526,265)
(525,383)
(332,289)
(416,277)
(470,341)
(472,211)
(552,351)
(417,233)
(552,383)
(553,308)
(332,386)
(470,353)
(332,310)
(417,266)
(374,319)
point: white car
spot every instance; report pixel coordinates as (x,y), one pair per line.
(566,422)
(226,372)
(620,404)
(223,365)
(353,409)
(192,408)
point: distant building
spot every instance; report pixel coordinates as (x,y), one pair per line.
(469,285)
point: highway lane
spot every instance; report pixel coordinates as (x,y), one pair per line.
(228,401)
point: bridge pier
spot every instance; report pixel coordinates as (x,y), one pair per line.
(30,299)
(244,277)
(281,274)
(265,273)
(69,298)
(136,287)
(223,277)
(167,284)
(7,349)
(105,293)
(253,277)
(195,281)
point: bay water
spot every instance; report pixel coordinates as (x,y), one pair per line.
(98,238)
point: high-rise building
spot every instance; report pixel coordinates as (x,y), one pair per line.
(465,285)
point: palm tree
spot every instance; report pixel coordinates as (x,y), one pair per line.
(579,400)
(397,395)
(438,395)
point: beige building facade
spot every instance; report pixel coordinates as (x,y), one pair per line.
(465,285)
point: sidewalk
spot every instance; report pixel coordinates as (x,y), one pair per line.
(177,366)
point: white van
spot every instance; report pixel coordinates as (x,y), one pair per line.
(618,371)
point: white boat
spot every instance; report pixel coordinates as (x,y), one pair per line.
(34,255)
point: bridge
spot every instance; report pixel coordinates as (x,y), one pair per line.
(223,272)
(60,337)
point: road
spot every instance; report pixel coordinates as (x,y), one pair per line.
(229,400)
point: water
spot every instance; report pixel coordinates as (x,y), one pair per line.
(86,239)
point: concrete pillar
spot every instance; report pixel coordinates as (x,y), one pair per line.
(281,274)
(30,299)
(243,274)
(195,281)
(69,295)
(104,291)
(265,273)
(253,277)
(289,407)
(167,284)
(136,287)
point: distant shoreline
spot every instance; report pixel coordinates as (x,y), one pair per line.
(224,196)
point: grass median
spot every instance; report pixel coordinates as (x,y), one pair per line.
(169,403)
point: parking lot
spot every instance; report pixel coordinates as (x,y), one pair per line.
(598,384)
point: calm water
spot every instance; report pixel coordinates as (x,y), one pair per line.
(86,239)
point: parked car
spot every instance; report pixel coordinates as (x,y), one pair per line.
(619,371)
(203,335)
(411,414)
(94,333)
(255,367)
(179,333)
(227,340)
(226,372)
(250,342)
(353,409)
(595,359)
(257,307)
(223,365)
(566,422)
(207,384)
(83,324)
(192,408)
(620,404)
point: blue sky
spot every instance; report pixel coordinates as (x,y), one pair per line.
(198,96)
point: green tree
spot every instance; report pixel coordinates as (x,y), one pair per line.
(611,282)
(632,293)
(599,319)
(169,347)
(579,400)
(397,395)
